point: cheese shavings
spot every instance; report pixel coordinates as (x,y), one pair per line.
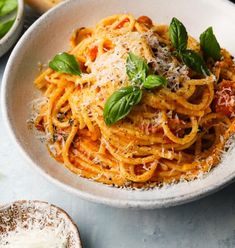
(165,64)
(111,65)
(45,238)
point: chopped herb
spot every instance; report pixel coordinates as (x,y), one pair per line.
(71,121)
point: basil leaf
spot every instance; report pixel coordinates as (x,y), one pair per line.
(120,103)
(5,27)
(136,68)
(65,63)
(153,81)
(194,61)
(209,44)
(7,6)
(178,35)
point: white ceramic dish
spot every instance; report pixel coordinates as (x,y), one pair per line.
(11,37)
(49,35)
(36,220)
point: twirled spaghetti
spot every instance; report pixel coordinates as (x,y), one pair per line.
(174,132)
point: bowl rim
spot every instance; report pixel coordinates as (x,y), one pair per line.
(45,204)
(120,203)
(19,16)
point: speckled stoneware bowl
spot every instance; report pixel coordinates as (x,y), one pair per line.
(11,37)
(36,218)
(50,35)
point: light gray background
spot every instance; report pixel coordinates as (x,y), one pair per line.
(209,222)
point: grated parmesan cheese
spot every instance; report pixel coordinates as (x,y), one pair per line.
(165,64)
(111,66)
(225,98)
(36,238)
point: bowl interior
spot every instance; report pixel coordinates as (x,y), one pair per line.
(50,35)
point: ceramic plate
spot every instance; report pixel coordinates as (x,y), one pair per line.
(50,35)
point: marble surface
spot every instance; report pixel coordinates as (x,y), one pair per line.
(209,222)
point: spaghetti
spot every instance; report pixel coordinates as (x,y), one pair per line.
(175,132)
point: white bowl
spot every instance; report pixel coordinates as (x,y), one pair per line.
(49,35)
(13,34)
(32,218)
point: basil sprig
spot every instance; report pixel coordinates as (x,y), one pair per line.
(137,71)
(7,6)
(121,102)
(178,35)
(210,45)
(136,68)
(153,81)
(179,39)
(5,27)
(65,63)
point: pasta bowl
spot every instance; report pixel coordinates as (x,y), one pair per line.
(48,36)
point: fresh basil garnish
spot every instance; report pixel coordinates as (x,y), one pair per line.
(179,39)
(5,27)
(210,45)
(7,6)
(120,103)
(153,81)
(194,61)
(136,68)
(178,34)
(65,63)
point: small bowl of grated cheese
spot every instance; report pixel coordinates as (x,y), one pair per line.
(36,224)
